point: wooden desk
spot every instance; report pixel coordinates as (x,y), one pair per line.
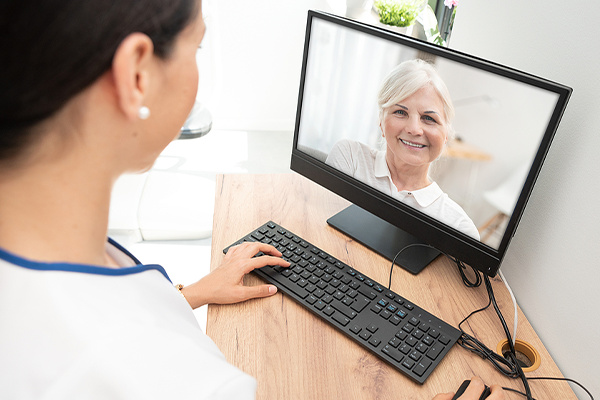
(294,355)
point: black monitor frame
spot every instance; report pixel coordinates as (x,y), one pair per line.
(448,240)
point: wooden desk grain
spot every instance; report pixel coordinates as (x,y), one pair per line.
(295,355)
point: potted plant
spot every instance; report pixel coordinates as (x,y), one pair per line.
(398,13)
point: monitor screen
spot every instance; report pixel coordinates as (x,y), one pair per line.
(438,145)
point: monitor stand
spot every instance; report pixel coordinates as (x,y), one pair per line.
(383,238)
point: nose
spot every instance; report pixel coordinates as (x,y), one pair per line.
(414,127)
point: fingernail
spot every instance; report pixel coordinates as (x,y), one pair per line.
(272,289)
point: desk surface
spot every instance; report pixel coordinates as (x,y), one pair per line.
(295,355)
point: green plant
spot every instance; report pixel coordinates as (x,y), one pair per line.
(398,12)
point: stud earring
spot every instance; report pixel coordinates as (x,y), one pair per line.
(144,112)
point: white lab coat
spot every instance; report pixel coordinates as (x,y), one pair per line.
(72,331)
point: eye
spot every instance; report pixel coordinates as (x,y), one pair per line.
(400,112)
(429,118)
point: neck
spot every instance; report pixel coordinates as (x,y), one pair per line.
(405,176)
(56,211)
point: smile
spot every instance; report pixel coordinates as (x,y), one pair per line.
(415,145)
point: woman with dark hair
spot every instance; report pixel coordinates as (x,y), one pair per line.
(90,90)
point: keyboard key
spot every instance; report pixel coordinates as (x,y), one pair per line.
(341,319)
(374,342)
(408,363)
(422,367)
(356,329)
(367,292)
(344,309)
(422,347)
(302,283)
(415,355)
(328,310)
(392,352)
(444,339)
(405,349)
(376,309)
(365,335)
(385,314)
(359,304)
(428,340)
(372,328)
(327,298)
(435,351)
(401,335)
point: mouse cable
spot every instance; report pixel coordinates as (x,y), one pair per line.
(460,265)
(552,379)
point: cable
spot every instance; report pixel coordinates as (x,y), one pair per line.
(512,296)
(508,367)
(552,379)
(460,265)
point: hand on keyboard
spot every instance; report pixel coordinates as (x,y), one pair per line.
(225,285)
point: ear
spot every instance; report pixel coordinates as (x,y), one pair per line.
(131,73)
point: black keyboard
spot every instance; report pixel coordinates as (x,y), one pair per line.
(396,330)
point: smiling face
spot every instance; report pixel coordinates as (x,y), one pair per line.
(415,130)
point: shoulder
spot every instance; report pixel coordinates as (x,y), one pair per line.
(352,149)
(99,336)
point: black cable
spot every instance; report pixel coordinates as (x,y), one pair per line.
(510,368)
(461,266)
(552,379)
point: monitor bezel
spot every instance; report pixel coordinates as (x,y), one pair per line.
(448,240)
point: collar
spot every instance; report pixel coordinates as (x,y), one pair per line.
(424,197)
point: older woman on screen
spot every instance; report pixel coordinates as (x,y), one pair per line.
(415,111)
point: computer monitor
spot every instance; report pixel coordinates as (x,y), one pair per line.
(478,180)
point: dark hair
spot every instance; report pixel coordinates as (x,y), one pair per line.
(53,49)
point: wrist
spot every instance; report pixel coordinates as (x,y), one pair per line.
(194,295)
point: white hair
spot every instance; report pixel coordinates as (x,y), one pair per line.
(408,78)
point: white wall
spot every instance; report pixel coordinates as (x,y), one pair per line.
(552,264)
(250,61)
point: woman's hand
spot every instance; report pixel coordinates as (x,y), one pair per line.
(474,391)
(225,285)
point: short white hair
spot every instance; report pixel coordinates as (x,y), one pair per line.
(408,78)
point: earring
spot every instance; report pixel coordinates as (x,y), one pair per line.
(144,112)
